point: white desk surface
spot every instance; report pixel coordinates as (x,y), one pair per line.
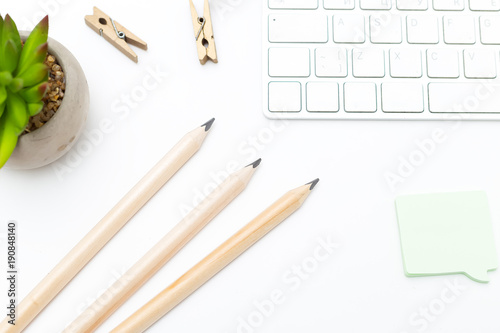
(359,287)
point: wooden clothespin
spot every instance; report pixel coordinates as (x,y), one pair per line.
(204,35)
(115,33)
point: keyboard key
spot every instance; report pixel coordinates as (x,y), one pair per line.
(422,29)
(490,29)
(442,63)
(368,62)
(412,4)
(385,29)
(459,29)
(289,62)
(331,62)
(305,28)
(464,97)
(348,29)
(322,97)
(360,97)
(480,64)
(405,63)
(402,97)
(448,4)
(375,4)
(488,5)
(293,4)
(285,96)
(338,4)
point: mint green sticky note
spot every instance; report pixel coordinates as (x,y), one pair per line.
(447,233)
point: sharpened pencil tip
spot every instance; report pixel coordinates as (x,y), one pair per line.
(208,124)
(313,183)
(256,163)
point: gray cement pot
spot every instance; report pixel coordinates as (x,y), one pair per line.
(60,133)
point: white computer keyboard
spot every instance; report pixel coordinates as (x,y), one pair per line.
(377,59)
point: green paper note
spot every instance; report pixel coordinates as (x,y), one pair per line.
(447,233)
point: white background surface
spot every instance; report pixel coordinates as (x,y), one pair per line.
(360,287)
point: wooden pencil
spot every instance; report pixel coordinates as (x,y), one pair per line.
(215,261)
(162,252)
(95,240)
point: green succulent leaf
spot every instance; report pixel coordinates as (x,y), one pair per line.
(2,108)
(33,51)
(37,57)
(36,74)
(1,29)
(10,31)
(3,95)
(16,85)
(34,94)
(8,140)
(34,108)
(17,113)
(5,78)
(10,35)
(10,56)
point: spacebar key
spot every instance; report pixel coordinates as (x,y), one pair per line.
(295,28)
(480,97)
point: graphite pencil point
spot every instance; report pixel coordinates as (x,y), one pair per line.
(313,183)
(208,124)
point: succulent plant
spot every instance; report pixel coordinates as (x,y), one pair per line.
(23,80)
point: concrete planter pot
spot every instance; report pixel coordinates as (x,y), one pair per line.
(54,139)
